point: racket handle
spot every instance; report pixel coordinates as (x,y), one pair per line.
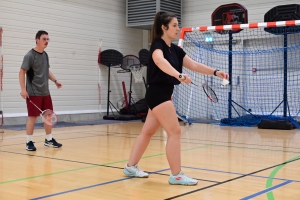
(34,104)
(182,77)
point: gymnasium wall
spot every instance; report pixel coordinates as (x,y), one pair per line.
(74,28)
(198,13)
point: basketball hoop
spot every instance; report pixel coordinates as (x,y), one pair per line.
(137,71)
(229,14)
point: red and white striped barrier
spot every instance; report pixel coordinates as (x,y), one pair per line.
(237,27)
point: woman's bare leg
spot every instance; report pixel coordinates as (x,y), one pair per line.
(150,127)
(166,115)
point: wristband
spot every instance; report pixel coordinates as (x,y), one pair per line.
(215,72)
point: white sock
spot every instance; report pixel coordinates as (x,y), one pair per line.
(49,137)
(29,138)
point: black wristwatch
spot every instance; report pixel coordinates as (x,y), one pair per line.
(181,77)
(215,72)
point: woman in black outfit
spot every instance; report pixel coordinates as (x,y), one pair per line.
(165,71)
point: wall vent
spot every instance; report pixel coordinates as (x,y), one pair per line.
(140,13)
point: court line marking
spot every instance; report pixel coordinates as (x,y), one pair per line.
(193,148)
(42,141)
(218,145)
(91,132)
(269,183)
(90,186)
(59,132)
(236,173)
(82,168)
(134,136)
(266,190)
(236,147)
(204,180)
(96,165)
(229,180)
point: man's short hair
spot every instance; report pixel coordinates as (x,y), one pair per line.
(40,33)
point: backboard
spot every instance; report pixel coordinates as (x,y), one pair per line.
(229,14)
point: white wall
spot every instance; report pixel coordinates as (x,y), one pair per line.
(74,29)
(198,12)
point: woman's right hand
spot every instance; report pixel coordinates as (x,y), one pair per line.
(184,78)
(24,94)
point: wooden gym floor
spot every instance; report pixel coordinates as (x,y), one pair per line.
(229,162)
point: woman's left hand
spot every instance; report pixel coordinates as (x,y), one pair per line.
(222,75)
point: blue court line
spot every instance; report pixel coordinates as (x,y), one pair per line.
(219,171)
(91,186)
(266,190)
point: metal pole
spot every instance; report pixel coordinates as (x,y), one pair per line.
(285,75)
(230,75)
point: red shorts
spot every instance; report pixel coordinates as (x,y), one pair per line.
(43,102)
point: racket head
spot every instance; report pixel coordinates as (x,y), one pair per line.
(49,117)
(210,93)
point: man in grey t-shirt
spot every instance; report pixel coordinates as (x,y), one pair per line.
(36,67)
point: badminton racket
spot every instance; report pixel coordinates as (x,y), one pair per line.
(48,116)
(210,93)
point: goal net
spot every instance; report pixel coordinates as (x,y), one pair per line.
(263,61)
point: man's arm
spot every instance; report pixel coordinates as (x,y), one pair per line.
(23,93)
(52,78)
(26,65)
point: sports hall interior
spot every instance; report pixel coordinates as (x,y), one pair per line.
(231,159)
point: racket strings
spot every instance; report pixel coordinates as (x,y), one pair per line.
(210,93)
(49,117)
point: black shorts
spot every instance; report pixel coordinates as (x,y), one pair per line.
(157,94)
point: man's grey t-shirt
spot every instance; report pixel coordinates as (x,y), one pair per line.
(37,76)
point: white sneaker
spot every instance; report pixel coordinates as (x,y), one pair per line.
(182,179)
(134,171)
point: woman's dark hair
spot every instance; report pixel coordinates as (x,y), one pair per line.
(161,18)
